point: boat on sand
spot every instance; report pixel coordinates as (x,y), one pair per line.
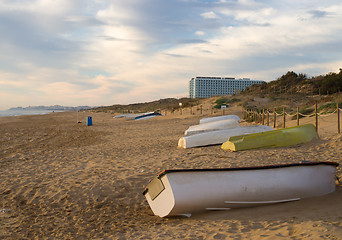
(183,192)
(218,136)
(147,116)
(270,139)
(138,116)
(211,126)
(218,118)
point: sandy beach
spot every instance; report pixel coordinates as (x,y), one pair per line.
(64,180)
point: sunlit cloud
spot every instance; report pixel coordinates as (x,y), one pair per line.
(200,33)
(95,52)
(209,15)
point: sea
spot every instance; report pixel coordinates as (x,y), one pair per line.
(20,112)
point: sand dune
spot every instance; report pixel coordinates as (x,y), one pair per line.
(64,180)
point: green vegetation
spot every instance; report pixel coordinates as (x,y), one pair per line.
(290,90)
(225,101)
(293,83)
(170,104)
(329,107)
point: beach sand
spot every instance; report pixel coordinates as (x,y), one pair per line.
(64,180)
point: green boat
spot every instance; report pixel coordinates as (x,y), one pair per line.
(270,139)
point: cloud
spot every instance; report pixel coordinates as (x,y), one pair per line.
(318,14)
(209,15)
(95,52)
(191,41)
(200,33)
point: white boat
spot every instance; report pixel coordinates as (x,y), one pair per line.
(147,116)
(211,126)
(218,118)
(218,136)
(129,116)
(126,115)
(136,116)
(184,192)
(120,116)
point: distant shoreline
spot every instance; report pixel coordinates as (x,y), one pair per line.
(14,113)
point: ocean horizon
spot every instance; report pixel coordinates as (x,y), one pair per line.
(21,112)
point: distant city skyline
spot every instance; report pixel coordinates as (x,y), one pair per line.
(105,52)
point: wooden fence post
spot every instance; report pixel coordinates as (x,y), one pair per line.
(258,117)
(316,116)
(274,118)
(191,110)
(284,115)
(268,117)
(297,115)
(262,117)
(338,119)
(201,110)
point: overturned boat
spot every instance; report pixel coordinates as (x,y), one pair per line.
(218,136)
(211,126)
(218,118)
(270,139)
(184,192)
(127,115)
(145,116)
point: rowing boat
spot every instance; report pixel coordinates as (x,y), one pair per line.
(218,136)
(270,139)
(218,118)
(211,126)
(183,192)
(147,116)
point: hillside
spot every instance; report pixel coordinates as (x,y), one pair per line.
(289,91)
(293,83)
(169,103)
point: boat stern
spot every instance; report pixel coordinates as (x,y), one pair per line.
(159,196)
(228,146)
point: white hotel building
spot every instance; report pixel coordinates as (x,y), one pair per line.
(205,87)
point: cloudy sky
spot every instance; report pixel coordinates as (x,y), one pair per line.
(103,52)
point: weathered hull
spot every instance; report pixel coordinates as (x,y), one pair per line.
(218,136)
(218,118)
(270,139)
(183,192)
(147,116)
(212,126)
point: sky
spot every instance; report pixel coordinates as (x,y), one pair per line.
(105,52)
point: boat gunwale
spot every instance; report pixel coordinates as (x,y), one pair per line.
(159,175)
(248,168)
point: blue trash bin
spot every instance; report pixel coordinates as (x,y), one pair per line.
(89,121)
